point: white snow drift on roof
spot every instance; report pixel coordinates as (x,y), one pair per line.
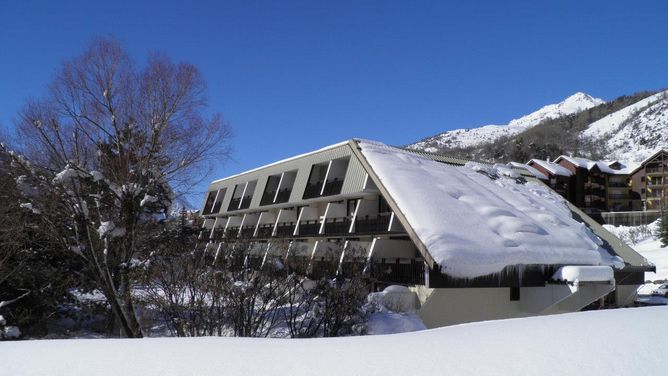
(588,163)
(577,274)
(531,170)
(554,168)
(473,225)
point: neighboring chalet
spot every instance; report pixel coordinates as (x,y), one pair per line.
(650,181)
(472,241)
(608,190)
(556,176)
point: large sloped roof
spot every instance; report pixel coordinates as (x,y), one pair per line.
(475,220)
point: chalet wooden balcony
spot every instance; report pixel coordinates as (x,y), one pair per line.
(309,228)
(617,185)
(655,170)
(372,225)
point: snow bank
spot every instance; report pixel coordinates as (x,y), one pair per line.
(477,223)
(609,342)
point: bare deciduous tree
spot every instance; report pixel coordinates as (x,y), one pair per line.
(118,142)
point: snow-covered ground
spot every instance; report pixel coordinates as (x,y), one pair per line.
(642,239)
(461,138)
(610,342)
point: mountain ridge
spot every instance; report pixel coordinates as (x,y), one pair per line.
(629,127)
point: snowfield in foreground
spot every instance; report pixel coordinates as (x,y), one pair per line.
(611,342)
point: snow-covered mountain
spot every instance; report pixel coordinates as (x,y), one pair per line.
(462,138)
(634,132)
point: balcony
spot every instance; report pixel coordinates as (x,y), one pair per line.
(337,226)
(615,184)
(217,233)
(247,232)
(231,232)
(372,225)
(402,271)
(309,228)
(284,230)
(264,231)
(655,170)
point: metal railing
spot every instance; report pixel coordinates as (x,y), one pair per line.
(372,225)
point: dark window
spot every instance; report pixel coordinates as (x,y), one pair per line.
(315,180)
(514,294)
(383,207)
(270,190)
(210,200)
(642,179)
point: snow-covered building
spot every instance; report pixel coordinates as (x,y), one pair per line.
(472,241)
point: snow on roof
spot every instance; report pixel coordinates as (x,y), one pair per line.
(531,170)
(552,167)
(476,220)
(587,163)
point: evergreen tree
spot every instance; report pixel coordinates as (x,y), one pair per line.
(662,232)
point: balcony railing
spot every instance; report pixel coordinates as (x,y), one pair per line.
(247,231)
(654,182)
(285,229)
(308,228)
(651,170)
(617,184)
(217,233)
(231,232)
(372,225)
(337,226)
(404,271)
(264,231)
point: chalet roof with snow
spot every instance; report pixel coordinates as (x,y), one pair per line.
(553,168)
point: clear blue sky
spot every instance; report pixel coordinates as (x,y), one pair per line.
(292,76)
